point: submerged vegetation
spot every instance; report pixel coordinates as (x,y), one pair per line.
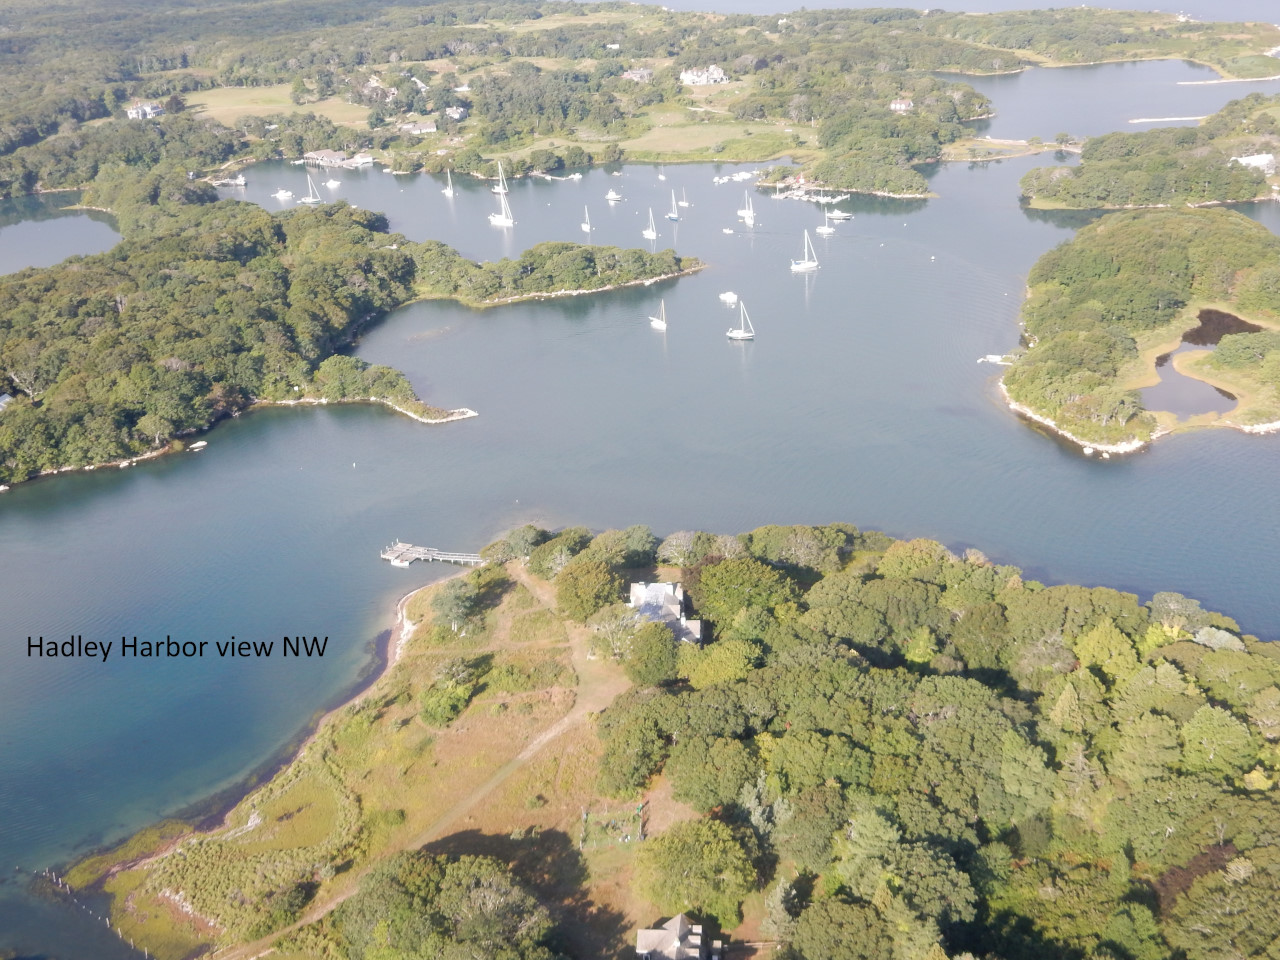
(885,752)
(1126,283)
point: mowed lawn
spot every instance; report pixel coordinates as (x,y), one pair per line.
(227,104)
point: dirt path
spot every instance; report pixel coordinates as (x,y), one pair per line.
(599,682)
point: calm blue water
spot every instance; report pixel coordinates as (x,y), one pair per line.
(40,231)
(861,400)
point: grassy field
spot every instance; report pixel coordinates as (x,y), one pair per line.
(513,776)
(227,104)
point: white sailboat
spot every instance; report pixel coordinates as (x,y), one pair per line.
(650,232)
(684,198)
(503,217)
(826,229)
(501,188)
(660,321)
(744,330)
(810,261)
(674,215)
(448,190)
(586,221)
(748,213)
(313,195)
(661,175)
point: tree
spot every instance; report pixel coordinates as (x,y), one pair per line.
(651,658)
(834,930)
(702,866)
(725,588)
(1106,648)
(454,602)
(156,427)
(1215,742)
(585,586)
(709,772)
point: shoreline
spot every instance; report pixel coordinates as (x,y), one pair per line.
(208,815)
(1087,446)
(461,413)
(540,295)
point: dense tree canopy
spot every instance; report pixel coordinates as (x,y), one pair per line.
(1018,791)
(1120,277)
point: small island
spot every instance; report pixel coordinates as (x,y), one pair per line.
(842,745)
(1104,307)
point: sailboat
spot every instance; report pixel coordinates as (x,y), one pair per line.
(503,217)
(810,261)
(744,330)
(660,321)
(502,181)
(674,215)
(313,195)
(826,229)
(748,213)
(448,191)
(650,232)
(661,175)
(586,221)
(684,198)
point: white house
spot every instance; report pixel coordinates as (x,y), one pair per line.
(144,111)
(901,105)
(638,74)
(664,603)
(1266,162)
(456,113)
(701,78)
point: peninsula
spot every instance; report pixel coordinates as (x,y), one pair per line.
(1105,305)
(878,749)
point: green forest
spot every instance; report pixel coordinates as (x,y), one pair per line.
(1124,277)
(915,754)
(1168,165)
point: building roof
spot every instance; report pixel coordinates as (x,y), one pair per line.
(677,939)
(664,603)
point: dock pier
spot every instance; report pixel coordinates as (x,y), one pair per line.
(402,554)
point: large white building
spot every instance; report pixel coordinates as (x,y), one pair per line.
(144,111)
(700,78)
(1266,162)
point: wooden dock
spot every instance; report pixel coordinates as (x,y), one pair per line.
(402,554)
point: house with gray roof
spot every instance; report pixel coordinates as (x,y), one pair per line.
(677,939)
(664,603)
